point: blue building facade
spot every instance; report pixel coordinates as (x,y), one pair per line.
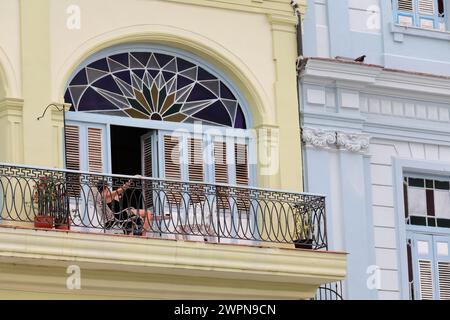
(376,136)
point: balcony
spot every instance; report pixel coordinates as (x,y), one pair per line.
(166,227)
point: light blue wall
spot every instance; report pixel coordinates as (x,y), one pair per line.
(335,102)
(339,28)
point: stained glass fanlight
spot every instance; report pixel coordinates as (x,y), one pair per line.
(156,86)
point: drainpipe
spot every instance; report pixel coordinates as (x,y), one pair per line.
(296,8)
(299,62)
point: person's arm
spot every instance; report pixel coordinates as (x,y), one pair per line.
(109,195)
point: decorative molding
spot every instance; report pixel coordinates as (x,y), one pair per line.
(321,138)
(11,107)
(272,272)
(57,115)
(318,138)
(352,142)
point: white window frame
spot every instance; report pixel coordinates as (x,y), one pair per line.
(416,16)
(84,120)
(409,166)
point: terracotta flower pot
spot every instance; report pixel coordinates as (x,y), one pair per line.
(45,222)
(63,225)
(304,244)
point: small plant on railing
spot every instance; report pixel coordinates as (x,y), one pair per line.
(49,197)
(44,194)
(304,228)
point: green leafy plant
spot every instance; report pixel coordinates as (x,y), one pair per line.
(49,197)
(304,228)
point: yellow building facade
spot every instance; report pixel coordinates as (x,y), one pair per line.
(250,43)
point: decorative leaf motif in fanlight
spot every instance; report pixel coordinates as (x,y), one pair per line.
(147,85)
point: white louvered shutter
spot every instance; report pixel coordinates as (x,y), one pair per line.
(195,169)
(405,5)
(442,253)
(444,280)
(72,140)
(242,178)
(72,147)
(423,260)
(426,7)
(172,167)
(147,150)
(221,174)
(426,279)
(95,150)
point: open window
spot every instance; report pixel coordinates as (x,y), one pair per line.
(427,216)
(427,14)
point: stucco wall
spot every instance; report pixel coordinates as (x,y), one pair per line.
(257,51)
(10,56)
(359,122)
(384,207)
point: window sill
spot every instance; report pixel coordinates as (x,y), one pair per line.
(399,32)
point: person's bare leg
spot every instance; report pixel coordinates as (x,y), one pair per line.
(147,216)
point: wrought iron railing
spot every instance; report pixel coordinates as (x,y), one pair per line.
(160,208)
(330,291)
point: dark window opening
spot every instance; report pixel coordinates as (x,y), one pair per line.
(441,10)
(126,158)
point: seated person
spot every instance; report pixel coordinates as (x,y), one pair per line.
(110,203)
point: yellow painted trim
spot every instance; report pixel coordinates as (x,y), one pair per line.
(261,271)
(280,7)
(11,106)
(8,81)
(11,127)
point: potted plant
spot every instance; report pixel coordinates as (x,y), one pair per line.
(44,198)
(62,210)
(304,229)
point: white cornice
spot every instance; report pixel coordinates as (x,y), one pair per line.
(371,76)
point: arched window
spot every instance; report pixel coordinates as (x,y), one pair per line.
(127,107)
(157,86)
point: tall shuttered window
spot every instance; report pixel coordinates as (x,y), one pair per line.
(430,263)
(427,14)
(427,217)
(199,159)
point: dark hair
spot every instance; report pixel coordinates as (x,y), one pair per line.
(101,185)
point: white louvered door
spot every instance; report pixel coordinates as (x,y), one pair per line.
(231,166)
(86,150)
(72,148)
(149,161)
(431,265)
(423,260)
(442,268)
